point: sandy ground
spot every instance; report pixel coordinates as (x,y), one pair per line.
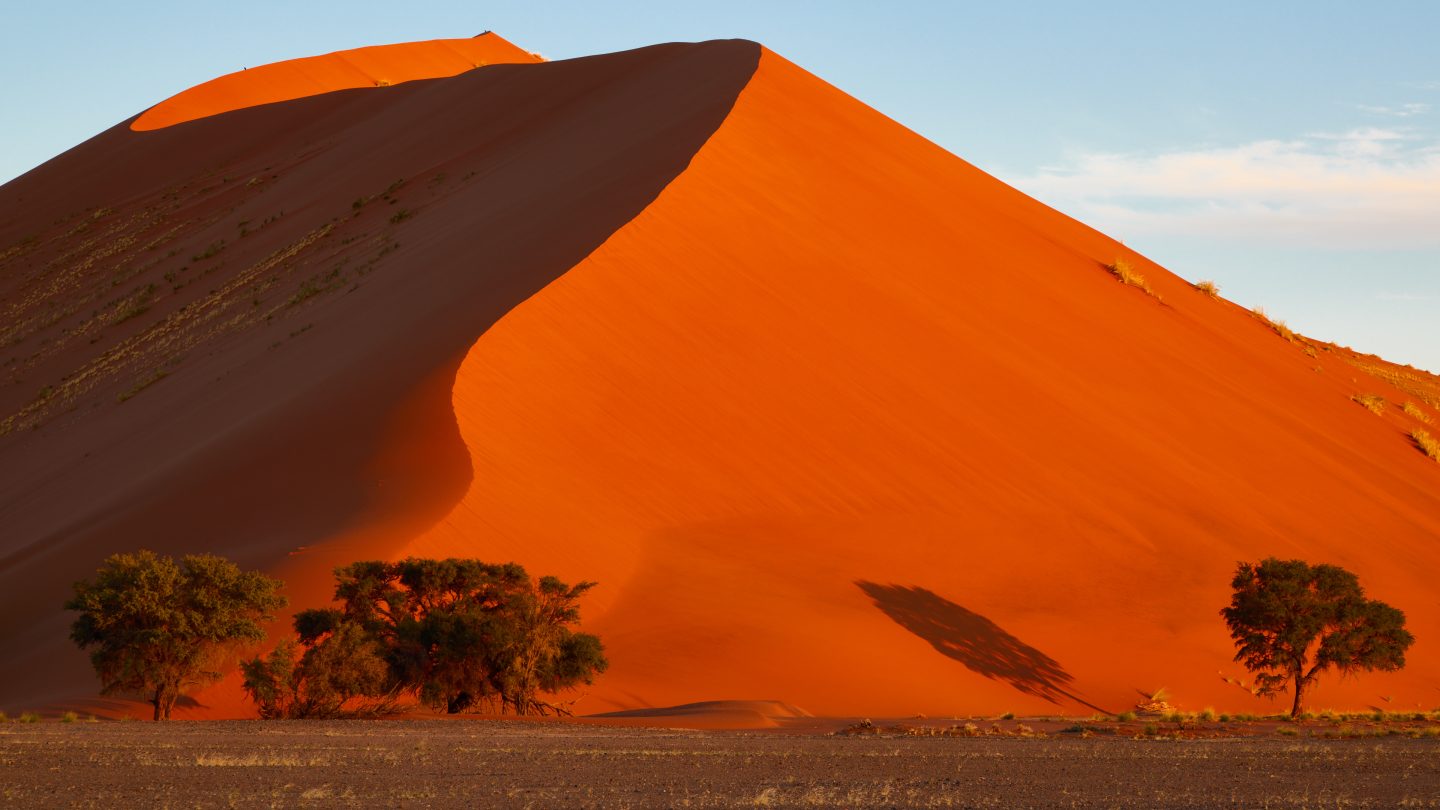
(493,764)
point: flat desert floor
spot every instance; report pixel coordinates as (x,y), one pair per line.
(477,763)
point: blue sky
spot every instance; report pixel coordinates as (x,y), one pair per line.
(1288,150)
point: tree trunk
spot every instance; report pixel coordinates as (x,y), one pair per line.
(156,701)
(1299,696)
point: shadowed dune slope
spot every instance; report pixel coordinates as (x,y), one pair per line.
(841,420)
(239,334)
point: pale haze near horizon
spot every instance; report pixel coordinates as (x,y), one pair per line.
(1289,151)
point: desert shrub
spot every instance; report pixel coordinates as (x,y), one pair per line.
(457,634)
(1126,717)
(1373,403)
(1007,716)
(1208,715)
(1150,730)
(1210,288)
(69,717)
(29,717)
(1427,443)
(211,250)
(159,627)
(1279,327)
(343,674)
(1127,274)
(1291,621)
(1415,412)
(1287,732)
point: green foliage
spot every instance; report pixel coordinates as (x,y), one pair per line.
(343,675)
(458,634)
(158,627)
(1291,621)
(29,717)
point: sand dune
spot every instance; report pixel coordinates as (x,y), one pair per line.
(833,416)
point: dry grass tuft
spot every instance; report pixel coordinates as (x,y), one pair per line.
(1415,412)
(1122,270)
(1372,402)
(1280,327)
(1427,443)
(1208,287)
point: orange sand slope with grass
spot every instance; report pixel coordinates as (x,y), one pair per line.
(838,421)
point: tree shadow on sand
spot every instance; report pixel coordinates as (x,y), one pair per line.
(980,644)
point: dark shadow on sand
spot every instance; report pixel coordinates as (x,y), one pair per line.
(980,644)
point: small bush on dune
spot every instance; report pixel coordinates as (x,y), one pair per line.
(1210,288)
(1279,327)
(1427,443)
(1122,270)
(1372,402)
(1415,412)
(69,717)
(29,717)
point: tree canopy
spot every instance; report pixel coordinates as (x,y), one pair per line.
(1292,621)
(157,627)
(456,633)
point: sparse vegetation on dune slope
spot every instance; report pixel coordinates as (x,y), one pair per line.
(1428,444)
(1373,403)
(1127,274)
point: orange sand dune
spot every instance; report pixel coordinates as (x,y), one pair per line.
(833,417)
(842,419)
(377,66)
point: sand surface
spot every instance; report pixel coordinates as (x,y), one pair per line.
(839,422)
(484,764)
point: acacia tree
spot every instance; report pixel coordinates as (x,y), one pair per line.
(1291,621)
(342,673)
(456,633)
(157,627)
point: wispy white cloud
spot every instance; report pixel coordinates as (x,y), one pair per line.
(1371,188)
(1408,110)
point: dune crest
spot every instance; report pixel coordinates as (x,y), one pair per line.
(374,66)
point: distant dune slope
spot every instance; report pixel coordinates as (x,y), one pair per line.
(843,421)
(239,334)
(836,420)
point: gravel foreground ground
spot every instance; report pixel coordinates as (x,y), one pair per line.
(505,764)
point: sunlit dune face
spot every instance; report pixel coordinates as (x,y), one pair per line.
(378,66)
